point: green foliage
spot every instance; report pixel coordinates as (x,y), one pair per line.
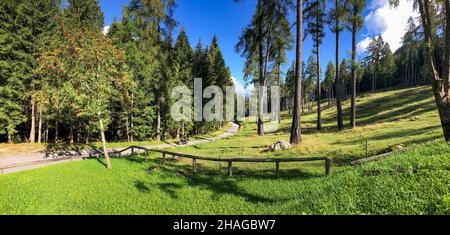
(88,87)
(25,26)
(315,17)
(84,14)
(330,73)
(310,76)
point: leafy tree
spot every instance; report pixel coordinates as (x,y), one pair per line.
(90,85)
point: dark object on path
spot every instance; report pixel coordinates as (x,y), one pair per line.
(184,139)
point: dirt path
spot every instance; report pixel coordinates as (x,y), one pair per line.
(35,160)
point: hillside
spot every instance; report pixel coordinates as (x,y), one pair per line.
(413,182)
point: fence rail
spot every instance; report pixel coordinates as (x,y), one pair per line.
(230,161)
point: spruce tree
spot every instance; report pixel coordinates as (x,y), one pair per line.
(84,15)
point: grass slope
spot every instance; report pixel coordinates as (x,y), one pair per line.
(415,182)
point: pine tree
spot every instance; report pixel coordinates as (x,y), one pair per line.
(259,42)
(183,65)
(355,22)
(296,130)
(315,18)
(24,28)
(329,80)
(337,15)
(84,15)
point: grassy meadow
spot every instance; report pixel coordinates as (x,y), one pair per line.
(413,182)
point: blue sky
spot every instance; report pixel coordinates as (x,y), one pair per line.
(226,19)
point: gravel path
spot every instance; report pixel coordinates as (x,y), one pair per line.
(35,160)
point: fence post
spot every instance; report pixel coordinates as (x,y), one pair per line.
(277,166)
(367,148)
(194,164)
(164,158)
(230,171)
(146,155)
(327,166)
(132,151)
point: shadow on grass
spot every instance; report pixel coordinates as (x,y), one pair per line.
(141,186)
(383,109)
(216,181)
(394,134)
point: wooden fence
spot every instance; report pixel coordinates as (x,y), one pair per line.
(230,161)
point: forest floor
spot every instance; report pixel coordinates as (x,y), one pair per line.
(66,153)
(8,150)
(412,182)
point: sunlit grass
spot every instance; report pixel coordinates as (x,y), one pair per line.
(414,182)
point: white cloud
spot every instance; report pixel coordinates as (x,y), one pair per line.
(388,22)
(363,44)
(376,22)
(241,88)
(106,29)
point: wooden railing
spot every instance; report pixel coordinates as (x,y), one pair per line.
(230,161)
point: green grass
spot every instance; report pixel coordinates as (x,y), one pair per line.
(414,182)
(386,119)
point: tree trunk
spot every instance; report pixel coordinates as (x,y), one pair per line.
(71,139)
(296,131)
(158,120)
(131,127)
(46,131)
(56,131)
(102,133)
(131,133)
(319,111)
(40,126)
(440,86)
(353,99)
(33,122)
(340,121)
(279,84)
(329,97)
(260,122)
(127,129)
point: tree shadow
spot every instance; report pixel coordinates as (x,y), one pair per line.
(384,110)
(216,181)
(170,189)
(141,186)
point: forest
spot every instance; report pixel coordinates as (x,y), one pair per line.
(64,79)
